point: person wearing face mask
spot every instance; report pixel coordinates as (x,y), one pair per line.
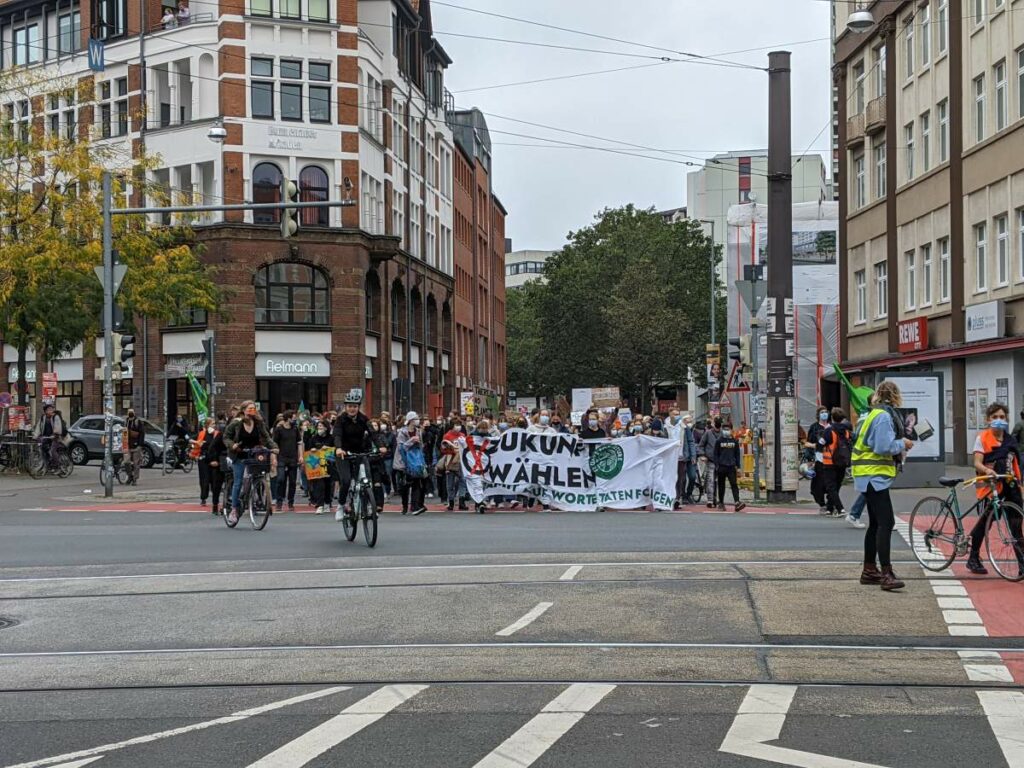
(995,453)
(216,459)
(320,489)
(431,442)
(636,428)
(812,451)
(452,445)
(245,434)
(558,426)
(591,428)
(727,460)
(541,423)
(289,441)
(680,432)
(390,443)
(708,444)
(410,439)
(834,446)
(201,447)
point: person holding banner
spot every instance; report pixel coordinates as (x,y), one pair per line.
(319,488)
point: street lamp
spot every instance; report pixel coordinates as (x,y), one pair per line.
(860,21)
(217,133)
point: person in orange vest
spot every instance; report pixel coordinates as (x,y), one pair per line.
(199,450)
(995,453)
(835,447)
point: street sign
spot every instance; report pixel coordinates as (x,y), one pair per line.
(120,270)
(752,292)
(96,54)
(737,381)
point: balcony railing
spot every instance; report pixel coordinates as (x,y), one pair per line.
(875,116)
(855,130)
(176,23)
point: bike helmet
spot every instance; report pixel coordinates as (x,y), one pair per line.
(354,397)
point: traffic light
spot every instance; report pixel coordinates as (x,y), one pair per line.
(289,216)
(124,350)
(742,351)
(210,348)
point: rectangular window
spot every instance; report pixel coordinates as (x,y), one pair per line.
(105,110)
(121,107)
(291,101)
(943,22)
(1002,250)
(881,290)
(943,130)
(398,217)
(908,137)
(926,275)
(880,168)
(944,270)
(26,45)
(861,189)
(319,72)
(414,230)
(926,142)
(979,11)
(319,104)
(1002,112)
(911,267)
(926,35)
(260,8)
(262,98)
(979,108)
(262,67)
(290,9)
(290,69)
(980,258)
(908,40)
(858,87)
(1020,82)
(319,10)
(1020,243)
(879,69)
(69,32)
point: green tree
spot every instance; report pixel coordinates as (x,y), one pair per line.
(51,231)
(525,340)
(626,302)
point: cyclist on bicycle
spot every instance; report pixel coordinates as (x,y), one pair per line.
(179,431)
(241,435)
(51,431)
(353,434)
(995,453)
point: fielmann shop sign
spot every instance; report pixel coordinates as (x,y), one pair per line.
(292,366)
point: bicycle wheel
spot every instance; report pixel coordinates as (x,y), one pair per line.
(369,517)
(933,531)
(226,509)
(259,505)
(121,474)
(104,472)
(35,462)
(1006,549)
(170,459)
(187,464)
(65,466)
(698,485)
(350,518)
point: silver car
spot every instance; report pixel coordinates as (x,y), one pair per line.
(87,440)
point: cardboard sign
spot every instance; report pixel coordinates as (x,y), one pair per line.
(316,463)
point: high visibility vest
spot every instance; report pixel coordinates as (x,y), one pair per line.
(864,461)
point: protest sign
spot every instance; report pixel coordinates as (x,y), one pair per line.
(315,463)
(582,398)
(605,396)
(568,473)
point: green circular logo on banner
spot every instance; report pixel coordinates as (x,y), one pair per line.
(606,461)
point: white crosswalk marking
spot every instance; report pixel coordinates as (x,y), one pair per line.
(525,746)
(1005,711)
(327,735)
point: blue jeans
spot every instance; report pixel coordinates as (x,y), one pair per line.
(237,470)
(858,507)
(455,484)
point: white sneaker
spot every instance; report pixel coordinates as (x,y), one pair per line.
(319,510)
(822,511)
(855,522)
(339,514)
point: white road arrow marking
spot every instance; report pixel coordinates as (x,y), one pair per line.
(525,746)
(54,762)
(531,616)
(328,735)
(760,719)
(1005,712)
(78,763)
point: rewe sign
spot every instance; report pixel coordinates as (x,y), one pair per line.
(913,335)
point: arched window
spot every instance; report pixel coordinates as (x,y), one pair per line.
(266,188)
(397,310)
(372,290)
(417,316)
(431,321)
(292,294)
(446,327)
(314,188)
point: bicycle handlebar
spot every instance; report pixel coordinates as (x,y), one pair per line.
(987,479)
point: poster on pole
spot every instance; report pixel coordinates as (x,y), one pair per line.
(49,388)
(466,404)
(922,414)
(17,418)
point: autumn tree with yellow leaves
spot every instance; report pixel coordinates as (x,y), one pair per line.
(51,229)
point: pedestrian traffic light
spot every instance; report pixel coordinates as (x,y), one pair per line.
(742,351)
(124,350)
(289,215)
(210,348)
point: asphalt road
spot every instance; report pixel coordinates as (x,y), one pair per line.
(164,639)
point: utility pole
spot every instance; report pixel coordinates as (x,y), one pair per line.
(782,416)
(108,339)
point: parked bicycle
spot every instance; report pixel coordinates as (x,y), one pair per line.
(937,533)
(361,505)
(254,497)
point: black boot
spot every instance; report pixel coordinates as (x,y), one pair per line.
(974,565)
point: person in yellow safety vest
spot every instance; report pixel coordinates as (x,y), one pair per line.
(873,462)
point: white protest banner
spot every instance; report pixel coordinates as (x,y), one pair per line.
(568,473)
(582,398)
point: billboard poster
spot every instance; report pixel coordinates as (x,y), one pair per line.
(922,414)
(49,388)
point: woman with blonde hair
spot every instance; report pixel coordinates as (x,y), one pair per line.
(876,449)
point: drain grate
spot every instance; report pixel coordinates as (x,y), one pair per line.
(7,621)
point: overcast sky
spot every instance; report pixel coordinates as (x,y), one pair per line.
(693,108)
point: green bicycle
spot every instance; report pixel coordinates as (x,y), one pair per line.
(937,531)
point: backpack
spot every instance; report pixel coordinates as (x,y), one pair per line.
(843,452)
(415,463)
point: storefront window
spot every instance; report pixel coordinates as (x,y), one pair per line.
(266,188)
(292,294)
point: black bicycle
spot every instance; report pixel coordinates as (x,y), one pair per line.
(41,461)
(360,504)
(254,496)
(177,456)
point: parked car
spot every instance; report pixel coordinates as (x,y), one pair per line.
(87,440)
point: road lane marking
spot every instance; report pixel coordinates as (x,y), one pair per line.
(1005,712)
(570,573)
(988,673)
(79,763)
(524,747)
(330,734)
(234,718)
(962,617)
(955,602)
(949,590)
(760,719)
(531,616)
(967,630)
(469,566)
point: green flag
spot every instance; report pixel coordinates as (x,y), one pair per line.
(860,397)
(199,397)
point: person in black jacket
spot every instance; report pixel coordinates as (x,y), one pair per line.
(288,439)
(320,489)
(212,454)
(590,429)
(431,442)
(727,459)
(352,434)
